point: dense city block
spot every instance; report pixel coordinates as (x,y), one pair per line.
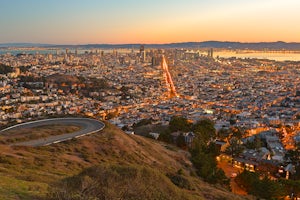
(254,104)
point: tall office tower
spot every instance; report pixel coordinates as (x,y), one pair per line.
(154,61)
(210,53)
(142,53)
(144,56)
(115,53)
(76,51)
(142,48)
(71,57)
(66,55)
(50,57)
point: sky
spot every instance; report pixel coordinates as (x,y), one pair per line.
(148,21)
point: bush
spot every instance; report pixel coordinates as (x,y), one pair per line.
(180,181)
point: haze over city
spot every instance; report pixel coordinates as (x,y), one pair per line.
(135,21)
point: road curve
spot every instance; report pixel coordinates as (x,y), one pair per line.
(88,126)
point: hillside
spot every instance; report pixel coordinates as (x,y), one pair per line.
(27,173)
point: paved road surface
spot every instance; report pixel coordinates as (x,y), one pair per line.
(88,126)
(229,169)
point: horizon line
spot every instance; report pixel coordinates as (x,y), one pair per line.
(139,43)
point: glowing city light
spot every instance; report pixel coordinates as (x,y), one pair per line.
(168,78)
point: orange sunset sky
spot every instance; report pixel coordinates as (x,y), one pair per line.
(148,21)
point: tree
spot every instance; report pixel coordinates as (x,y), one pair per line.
(232,121)
(293,156)
(204,130)
(180,141)
(142,122)
(234,149)
(206,167)
(257,142)
(263,188)
(111,115)
(165,136)
(223,133)
(125,128)
(213,149)
(203,155)
(234,140)
(179,123)
(124,89)
(291,186)
(237,132)
(4,69)
(24,68)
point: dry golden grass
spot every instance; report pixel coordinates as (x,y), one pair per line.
(26,134)
(41,166)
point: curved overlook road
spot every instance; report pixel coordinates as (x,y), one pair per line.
(88,126)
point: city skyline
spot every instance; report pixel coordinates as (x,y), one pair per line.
(133,21)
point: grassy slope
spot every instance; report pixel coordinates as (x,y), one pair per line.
(26,172)
(27,134)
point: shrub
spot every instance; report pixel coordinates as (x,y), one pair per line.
(180,181)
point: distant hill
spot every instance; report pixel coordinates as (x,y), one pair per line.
(109,162)
(23,45)
(207,44)
(259,45)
